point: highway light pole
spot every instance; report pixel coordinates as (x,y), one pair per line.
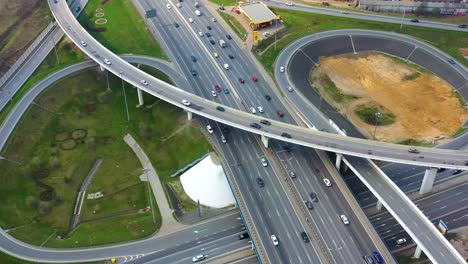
(125,97)
(377,116)
(47,18)
(276,29)
(402,18)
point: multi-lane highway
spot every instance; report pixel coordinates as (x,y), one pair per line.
(270,206)
(236,118)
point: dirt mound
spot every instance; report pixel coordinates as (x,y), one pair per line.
(424,105)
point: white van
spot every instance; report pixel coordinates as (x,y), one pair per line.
(197,12)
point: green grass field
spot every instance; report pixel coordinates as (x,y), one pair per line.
(241,32)
(82,102)
(299,24)
(367,113)
(125,30)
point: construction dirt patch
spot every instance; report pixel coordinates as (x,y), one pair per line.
(424,106)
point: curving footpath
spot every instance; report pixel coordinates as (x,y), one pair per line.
(239,119)
(423,232)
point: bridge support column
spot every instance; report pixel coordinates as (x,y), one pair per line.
(379,205)
(339,157)
(265,141)
(428,181)
(140,97)
(417,253)
(189,115)
(102,68)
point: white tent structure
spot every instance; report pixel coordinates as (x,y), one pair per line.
(207,183)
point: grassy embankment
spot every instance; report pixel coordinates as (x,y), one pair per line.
(241,32)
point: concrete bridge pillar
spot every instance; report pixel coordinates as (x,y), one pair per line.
(265,141)
(339,157)
(102,68)
(428,180)
(140,97)
(379,205)
(417,253)
(189,115)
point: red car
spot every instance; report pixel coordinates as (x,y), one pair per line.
(217,88)
(280,114)
(254,78)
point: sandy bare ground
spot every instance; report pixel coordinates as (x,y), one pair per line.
(425,108)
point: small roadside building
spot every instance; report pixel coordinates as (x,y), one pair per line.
(258,13)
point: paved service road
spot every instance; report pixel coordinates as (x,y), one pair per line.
(243,120)
(367,16)
(414,222)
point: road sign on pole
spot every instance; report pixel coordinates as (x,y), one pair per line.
(442,227)
(255,37)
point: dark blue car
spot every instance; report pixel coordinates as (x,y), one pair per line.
(377,257)
(226,90)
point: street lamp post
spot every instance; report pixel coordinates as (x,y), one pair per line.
(125,97)
(377,116)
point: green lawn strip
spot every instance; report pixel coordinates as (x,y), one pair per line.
(321,80)
(68,55)
(125,30)
(299,24)
(412,76)
(367,113)
(460,98)
(7,259)
(234,23)
(224,2)
(107,231)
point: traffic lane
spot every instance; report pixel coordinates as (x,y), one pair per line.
(364,16)
(353,237)
(191,234)
(210,249)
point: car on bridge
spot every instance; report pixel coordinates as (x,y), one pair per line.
(265,122)
(286,135)
(220,108)
(255,125)
(84,44)
(185,102)
(144,82)
(210,130)
(108,62)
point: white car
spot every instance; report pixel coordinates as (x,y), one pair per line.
(289,4)
(281,69)
(401,241)
(210,130)
(213,19)
(84,44)
(223,139)
(198,258)
(190,20)
(327,182)
(178,5)
(144,82)
(226,66)
(274,240)
(185,102)
(168,6)
(213,93)
(200,33)
(290,88)
(252,110)
(264,162)
(108,62)
(265,33)
(260,109)
(344,219)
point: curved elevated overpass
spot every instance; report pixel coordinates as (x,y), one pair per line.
(301,56)
(239,119)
